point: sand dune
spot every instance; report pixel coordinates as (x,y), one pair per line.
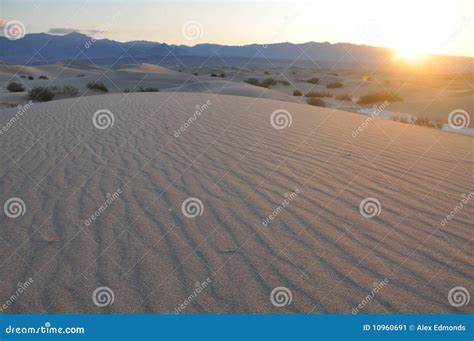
(230,157)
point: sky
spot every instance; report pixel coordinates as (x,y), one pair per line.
(410,27)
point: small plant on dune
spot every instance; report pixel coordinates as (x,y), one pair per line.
(141,89)
(318,102)
(334,85)
(15,87)
(284,82)
(313,80)
(318,94)
(426,122)
(220,75)
(266,83)
(31,78)
(97,86)
(379,97)
(343,97)
(296,92)
(43,77)
(266,72)
(67,90)
(41,94)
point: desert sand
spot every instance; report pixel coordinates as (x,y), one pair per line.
(231,158)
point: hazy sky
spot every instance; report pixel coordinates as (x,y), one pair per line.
(409,26)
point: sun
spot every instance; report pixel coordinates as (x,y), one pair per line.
(410,52)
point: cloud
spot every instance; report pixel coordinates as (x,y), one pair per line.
(62,31)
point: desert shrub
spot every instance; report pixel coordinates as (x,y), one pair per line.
(67,90)
(318,94)
(31,78)
(334,85)
(343,97)
(80,75)
(426,122)
(296,92)
(15,87)
(266,83)
(379,97)
(40,93)
(284,82)
(23,76)
(318,102)
(97,86)
(43,77)
(141,89)
(195,73)
(266,72)
(220,75)
(252,81)
(313,80)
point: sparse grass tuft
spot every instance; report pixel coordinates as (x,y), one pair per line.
(334,85)
(318,102)
(40,93)
(15,87)
(343,97)
(97,86)
(379,97)
(313,80)
(296,92)
(318,94)
(266,83)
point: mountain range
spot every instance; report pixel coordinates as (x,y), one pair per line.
(42,48)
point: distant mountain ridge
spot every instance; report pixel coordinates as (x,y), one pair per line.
(42,48)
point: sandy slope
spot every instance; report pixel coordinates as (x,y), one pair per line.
(320,247)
